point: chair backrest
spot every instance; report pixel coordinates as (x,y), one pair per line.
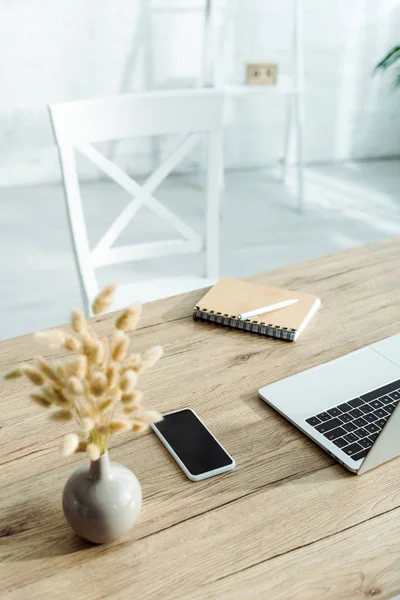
(190,113)
(143,114)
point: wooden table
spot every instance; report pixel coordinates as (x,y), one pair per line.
(288,522)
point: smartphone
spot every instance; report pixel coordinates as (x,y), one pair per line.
(192,445)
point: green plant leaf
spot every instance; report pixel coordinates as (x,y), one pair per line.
(390,58)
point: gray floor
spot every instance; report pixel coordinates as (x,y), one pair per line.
(347,205)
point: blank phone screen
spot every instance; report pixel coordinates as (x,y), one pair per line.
(192,442)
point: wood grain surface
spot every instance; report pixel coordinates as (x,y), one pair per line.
(287,523)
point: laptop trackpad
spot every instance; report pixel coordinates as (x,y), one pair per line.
(330,384)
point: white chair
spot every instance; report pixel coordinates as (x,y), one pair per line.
(190,113)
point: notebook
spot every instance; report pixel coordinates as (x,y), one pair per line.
(230,297)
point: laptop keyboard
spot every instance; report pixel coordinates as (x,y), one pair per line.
(353,426)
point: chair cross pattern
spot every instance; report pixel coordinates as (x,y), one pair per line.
(103,254)
(191,114)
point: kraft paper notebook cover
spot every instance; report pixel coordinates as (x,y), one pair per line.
(230,297)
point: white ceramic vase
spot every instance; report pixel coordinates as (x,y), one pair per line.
(102,500)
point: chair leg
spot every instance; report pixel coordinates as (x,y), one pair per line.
(201,170)
(221,186)
(287,145)
(214,168)
(299,152)
(77,229)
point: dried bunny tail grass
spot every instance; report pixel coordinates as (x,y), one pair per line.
(112,375)
(33,374)
(119,426)
(137,368)
(106,404)
(87,344)
(103,300)
(106,352)
(128,381)
(40,400)
(53,394)
(83,435)
(115,393)
(90,412)
(128,320)
(91,403)
(132,361)
(78,321)
(94,451)
(69,444)
(60,399)
(139,426)
(99,384)
(78,367)
(102,430)
(138,413)
(47,391)
(133,409)
(75,386)
(61,370)
(119,347)
(54,338)
(71,343)
(134,397)
(45,367)
(97,353)
(61,415)
(87,424)
(150,416)
(151,356)
(82,446)
(15,373)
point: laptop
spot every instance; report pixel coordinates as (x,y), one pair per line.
(348,406)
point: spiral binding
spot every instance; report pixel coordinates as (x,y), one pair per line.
(282,333)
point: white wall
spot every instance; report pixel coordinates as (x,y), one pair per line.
(52,51)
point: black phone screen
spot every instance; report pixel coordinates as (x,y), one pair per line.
(192,442)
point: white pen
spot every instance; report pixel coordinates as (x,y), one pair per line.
(266,309)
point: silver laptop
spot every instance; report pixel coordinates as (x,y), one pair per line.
(349,406)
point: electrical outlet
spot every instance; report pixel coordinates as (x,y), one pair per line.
(261,73)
